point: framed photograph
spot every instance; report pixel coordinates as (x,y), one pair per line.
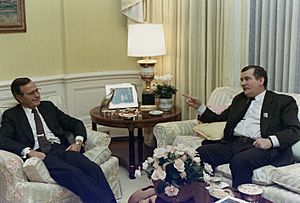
(12,16)
(125,96)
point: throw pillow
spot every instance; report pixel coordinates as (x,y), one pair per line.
(210,131)
(36,171)
(288,177)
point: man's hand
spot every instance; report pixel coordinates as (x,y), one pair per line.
(263,143)
(192,101)
(33,153)
(74,147)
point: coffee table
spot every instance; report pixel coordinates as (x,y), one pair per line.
(144,120)
(202,196)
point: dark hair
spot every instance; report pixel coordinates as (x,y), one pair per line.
(259,72)
(16,84)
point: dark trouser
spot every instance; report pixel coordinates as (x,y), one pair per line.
(243,158)
(77,173)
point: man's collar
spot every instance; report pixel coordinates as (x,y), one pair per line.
(261,96)
(28,110)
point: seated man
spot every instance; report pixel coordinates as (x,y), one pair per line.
(260,130)
(35,128)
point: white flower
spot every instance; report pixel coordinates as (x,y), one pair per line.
(150,160)
(166,77)
(158,174)
(145,165)
(171,191)
(170,148)
(138,173)
(208,168)
(197,160)
(160,153)
(206,177)
(179,165)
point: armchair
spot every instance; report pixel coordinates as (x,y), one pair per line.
(31,182)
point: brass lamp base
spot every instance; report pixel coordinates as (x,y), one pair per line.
(147,74)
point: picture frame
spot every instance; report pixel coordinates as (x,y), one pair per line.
(125,96)
(12,16)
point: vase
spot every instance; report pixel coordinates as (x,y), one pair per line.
(195,191)
(165,104)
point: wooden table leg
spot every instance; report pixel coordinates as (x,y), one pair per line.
(140,145)
(94,126)
(131,154)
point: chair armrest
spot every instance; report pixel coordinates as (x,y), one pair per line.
(11,172)
(165,133)
(95,138)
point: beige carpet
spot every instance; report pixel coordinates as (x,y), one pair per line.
(129,186)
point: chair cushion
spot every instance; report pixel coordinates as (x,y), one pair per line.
(98,154)
(261,176)
(36,171)
(288,177)
(296,151)
(210,131)
(190,141)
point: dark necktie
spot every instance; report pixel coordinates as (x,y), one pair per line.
(228,131)
(44,144)
(245,109)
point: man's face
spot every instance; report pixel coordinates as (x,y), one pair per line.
(30,95)
(251,86)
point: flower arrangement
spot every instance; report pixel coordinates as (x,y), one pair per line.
(175,166)
(163,87)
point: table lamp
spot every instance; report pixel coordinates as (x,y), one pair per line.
(146,40)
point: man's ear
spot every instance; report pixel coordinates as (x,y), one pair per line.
(261,81)
(19,98)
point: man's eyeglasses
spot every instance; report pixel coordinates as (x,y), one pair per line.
(32,93)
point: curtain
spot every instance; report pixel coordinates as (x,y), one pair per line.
(274,41)
(204,42)
(133,9)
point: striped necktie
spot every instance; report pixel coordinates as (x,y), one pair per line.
(44,144)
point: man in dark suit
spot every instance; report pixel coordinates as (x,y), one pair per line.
(260,130)
(24,125)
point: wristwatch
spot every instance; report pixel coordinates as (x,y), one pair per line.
(79,143)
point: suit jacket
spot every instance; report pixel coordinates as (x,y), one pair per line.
(16,133)
(279,117)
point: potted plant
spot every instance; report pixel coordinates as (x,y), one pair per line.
(164,91)
(175,171)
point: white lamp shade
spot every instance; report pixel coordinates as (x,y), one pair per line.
(146,40)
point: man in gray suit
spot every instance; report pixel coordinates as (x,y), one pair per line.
(260,130)
(35,128)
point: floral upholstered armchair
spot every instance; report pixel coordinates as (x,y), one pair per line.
(31,182)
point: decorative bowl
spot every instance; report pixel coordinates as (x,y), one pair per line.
(250,192)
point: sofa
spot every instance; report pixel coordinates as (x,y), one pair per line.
(30,182)
(280,184)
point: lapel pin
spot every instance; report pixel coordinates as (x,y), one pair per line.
(265,115)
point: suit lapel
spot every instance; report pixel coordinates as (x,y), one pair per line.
(26,128)
(45,113)
(266,113)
